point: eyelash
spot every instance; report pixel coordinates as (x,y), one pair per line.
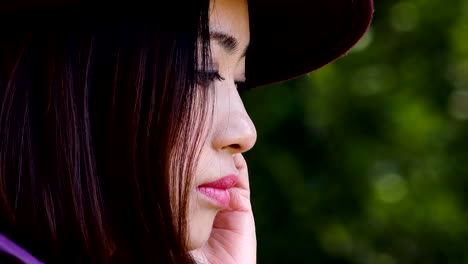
(207,78)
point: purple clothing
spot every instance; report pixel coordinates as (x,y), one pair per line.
(9,247)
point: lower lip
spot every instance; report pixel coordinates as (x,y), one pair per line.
(220,196)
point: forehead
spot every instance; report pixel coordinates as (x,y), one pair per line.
(231,17)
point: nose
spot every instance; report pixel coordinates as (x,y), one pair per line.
(234,131)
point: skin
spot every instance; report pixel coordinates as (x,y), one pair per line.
(218,234)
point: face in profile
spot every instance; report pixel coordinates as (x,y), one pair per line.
(231,131)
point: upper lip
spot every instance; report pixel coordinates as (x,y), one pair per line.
(226,182)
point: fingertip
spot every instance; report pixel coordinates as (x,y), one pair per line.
(239,161)
(240,200)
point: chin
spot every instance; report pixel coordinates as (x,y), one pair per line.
(200,225)
(197,243)
(199,235)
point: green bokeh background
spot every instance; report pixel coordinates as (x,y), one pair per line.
(366,159)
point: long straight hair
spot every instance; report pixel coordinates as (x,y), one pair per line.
(96,116)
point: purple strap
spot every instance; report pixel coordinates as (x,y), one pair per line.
(9,247)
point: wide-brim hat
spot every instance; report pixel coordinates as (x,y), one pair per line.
(290,38)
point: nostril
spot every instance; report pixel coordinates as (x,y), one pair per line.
(235,146)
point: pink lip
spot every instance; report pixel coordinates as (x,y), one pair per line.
(218,190)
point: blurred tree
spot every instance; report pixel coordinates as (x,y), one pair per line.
(365,160)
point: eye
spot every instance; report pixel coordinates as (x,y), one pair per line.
(206,78)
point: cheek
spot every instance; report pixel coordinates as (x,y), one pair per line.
(201,215)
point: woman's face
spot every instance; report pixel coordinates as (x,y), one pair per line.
(231,130)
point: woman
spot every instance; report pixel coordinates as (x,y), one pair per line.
(122,129)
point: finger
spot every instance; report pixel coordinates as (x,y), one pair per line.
(240,200)
(241,166)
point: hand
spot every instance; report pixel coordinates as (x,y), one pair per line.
(233,239)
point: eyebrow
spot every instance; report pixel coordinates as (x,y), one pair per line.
(228,42)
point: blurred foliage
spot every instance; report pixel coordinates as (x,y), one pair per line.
(366,160)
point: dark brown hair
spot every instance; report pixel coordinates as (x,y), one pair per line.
(95,119)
